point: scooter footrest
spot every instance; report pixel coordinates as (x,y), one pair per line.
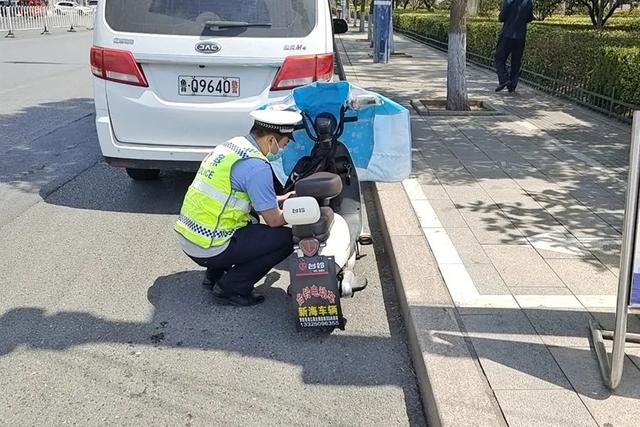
(365,239)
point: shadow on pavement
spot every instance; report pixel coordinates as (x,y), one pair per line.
(185,317)
(44,146)
(52,150)
(105,188)
(547,182)
(512,353)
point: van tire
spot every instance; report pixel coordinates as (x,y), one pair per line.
(143,174)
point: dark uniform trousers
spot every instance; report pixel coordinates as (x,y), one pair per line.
(514,48)
(252,252)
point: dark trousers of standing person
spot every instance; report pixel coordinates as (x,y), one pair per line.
(506,48)
(252,252)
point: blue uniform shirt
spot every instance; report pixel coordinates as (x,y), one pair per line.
(251,176)
(254,177)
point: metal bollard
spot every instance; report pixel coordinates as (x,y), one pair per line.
(46,22)
(71,29)
(7,13)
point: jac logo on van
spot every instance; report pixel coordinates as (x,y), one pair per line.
(208,47)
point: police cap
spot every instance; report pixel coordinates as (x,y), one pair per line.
(283,122)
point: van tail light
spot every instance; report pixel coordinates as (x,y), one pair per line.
(309,247)
(300,70)
(117,66)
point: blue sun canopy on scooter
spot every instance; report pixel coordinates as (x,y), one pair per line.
(379,141)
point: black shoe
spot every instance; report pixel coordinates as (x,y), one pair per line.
(501,86)
(511,89)
(224,298)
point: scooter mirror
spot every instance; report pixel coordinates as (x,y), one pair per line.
(301,210)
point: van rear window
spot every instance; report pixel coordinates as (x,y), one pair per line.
(222,18)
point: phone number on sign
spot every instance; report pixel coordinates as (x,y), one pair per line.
(320,321)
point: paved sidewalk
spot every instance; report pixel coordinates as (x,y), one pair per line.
(522,214)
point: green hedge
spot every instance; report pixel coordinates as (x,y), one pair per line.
(600,61)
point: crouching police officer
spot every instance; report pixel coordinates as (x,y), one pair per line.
(217,227)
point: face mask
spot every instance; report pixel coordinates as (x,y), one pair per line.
(273,157)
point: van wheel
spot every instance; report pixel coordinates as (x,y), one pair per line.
(143,174)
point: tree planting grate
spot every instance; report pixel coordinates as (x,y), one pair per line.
(438,107)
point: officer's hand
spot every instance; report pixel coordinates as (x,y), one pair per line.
(284,197)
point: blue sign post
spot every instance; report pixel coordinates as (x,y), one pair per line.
(381,33)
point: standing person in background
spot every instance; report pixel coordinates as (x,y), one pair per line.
(515,15)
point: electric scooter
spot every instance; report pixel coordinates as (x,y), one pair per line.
(326,219)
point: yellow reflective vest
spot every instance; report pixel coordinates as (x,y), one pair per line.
(212,211)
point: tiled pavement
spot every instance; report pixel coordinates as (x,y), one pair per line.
(523,213)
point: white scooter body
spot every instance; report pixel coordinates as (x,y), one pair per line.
(304,211)
(338,245)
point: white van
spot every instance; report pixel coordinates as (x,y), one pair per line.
(174,78)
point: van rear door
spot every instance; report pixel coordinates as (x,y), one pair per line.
(206,63)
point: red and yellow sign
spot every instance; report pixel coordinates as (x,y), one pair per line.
(314,287)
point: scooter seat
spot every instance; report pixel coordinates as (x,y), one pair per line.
(320,185)
(319,230)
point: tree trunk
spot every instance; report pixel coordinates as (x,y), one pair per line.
(613,6)
(473,6)
(456,81)
(362,12)
(592,16)
(599,13)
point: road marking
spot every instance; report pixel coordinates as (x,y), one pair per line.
(455,275)
(550,301)
(459,282)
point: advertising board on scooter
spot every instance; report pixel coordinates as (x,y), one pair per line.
(316,296)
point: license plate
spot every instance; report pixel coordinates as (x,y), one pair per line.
(208,86)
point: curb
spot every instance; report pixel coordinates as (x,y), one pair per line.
(453,387)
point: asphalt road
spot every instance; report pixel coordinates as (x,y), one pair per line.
(103,320)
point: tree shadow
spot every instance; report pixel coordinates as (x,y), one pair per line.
(43,145)
(105,188)
(511,350)
(51,150)
(547,170)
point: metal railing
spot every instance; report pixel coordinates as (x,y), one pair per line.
(19,18)
(603,100)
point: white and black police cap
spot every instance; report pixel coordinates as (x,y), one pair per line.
(283,122)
